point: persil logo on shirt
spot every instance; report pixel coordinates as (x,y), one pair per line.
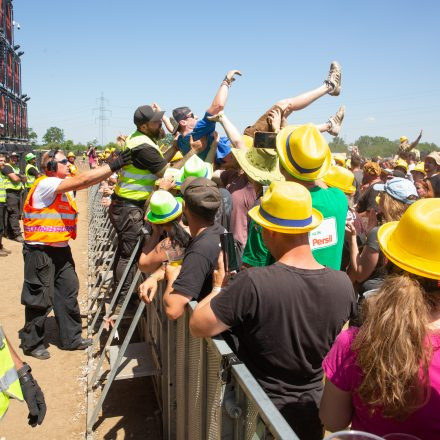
(324,235)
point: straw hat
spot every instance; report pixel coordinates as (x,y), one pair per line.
(286,207)
(197,168)
(303,152)
(249,141)
(260,164)
(413,242)
(340,177)
(163,207)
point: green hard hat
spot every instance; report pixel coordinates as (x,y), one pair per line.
(29,157)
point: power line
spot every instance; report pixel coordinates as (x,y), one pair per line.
(102,118)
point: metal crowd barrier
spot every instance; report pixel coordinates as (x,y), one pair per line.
(202,389)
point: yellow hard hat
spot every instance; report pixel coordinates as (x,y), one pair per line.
(303,152)
(286,207)
(112,150)
(403,139)
(340,177)
(70,154)
(408,243)
(420,167)
(401,163)
(107,150)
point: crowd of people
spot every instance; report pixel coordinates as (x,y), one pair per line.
(335,306)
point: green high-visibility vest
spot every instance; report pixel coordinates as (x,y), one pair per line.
(30,179)
(9,383)
(134,183)
(9,184)
(2,189)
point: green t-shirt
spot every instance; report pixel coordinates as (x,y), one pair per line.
(326,240)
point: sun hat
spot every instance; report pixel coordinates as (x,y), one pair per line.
(286,207)
(402,164)
(400,189)
(260,164)
(175,173)
(340,177)
(163,207)
(403,139)
(71,154)
(29,157)
(195,166)
(412,242)
(303,152)
(339,160)
(248,140)
(420,167)
(202,192)
(434,155)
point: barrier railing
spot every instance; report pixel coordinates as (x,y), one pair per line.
(202,388)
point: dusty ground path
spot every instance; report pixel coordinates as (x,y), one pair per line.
(129,408)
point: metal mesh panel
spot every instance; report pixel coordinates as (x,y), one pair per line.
(250,419)
(195,388)
(180,378)
(214,394)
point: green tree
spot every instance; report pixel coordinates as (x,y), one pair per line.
(68,145)
(33,137)
(54,135)
(338,145)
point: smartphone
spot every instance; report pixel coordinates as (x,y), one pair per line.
(265,139)
(230,258)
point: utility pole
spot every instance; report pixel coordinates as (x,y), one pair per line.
(102,116)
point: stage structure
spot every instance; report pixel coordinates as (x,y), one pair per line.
(13,103)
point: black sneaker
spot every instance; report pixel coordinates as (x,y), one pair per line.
(83,344)
(38,353)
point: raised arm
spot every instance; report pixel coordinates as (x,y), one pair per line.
(414,144)
(218,104)
(230,129)
(165,119)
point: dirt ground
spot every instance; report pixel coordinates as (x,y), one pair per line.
(130,410)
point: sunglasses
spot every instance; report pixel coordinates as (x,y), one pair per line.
(191,115)
(64,161)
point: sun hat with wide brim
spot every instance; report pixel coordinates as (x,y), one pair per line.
(260,164)
(413,242)
(163,207)
(340,177)
(196,167)
(286,207)
(303,152)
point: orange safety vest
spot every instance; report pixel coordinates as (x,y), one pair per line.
(53,224)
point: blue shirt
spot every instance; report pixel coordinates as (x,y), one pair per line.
(204,127)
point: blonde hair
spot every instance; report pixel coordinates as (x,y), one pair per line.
(392,349)
(391,208)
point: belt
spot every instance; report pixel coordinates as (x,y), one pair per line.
(127,202)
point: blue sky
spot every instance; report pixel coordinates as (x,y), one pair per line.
(176,53)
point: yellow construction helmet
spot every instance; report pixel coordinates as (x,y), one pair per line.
(403,139)
(71,154)
(402,164)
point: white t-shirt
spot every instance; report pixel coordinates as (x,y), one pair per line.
(44,195)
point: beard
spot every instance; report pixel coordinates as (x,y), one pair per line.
(158,133)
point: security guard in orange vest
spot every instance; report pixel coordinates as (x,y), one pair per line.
(17,382)
(50,280)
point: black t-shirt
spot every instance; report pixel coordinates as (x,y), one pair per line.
(7,169)
(146,157)
(286,319)
(199,262)
(367,200)
(33,172)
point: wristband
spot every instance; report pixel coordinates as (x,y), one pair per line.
(216,289)
(25,369)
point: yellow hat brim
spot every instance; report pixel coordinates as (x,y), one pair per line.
(402,258)
(255,173)
(255,215)
(347,190)
(290,168)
